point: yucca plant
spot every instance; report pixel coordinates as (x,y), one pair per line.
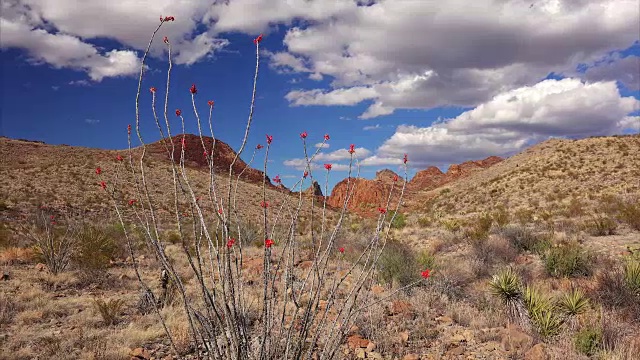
(506,286)
(573,303)
(542,312)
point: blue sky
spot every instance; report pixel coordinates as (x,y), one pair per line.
(444,83)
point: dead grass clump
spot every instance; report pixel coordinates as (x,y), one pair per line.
(17,255)
(8,309)
(601,225)
(109,310)
(526,239)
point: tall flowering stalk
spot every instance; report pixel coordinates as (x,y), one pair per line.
(291,324)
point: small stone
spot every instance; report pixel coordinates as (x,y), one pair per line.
(360,354)
(370,347)
(411,357)
(41,266)
(445,320)
(403,336)
(374,355)
(456,351)
(140,353)
(377,289)
(537,352)
(5,276)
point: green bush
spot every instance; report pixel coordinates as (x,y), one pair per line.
(426,260)
(542,312)
(568,261)
(587,341)
(573,303)
(95,248)
(399,221)
(398,264)
(424,221)
(632,276)
(525,239)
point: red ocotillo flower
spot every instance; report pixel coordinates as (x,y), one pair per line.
(341,250)
(327,166)
(193,89)
(305,174)
(352,149)
(268,243)
(165,39)
(230,242)
(277,179)
(129,129)
(220,211)
(168,18)
(119,157)
(132,202)
(98,170)
(103,185)
(382,210)
(303,135)
(153,89)
(269,139)
(210,103)
(326,137)
(264,204)
(52,217)
(258,39)
(259,146)
(405,159)
(395,178)
(178,112)
(205,153)
(425,274)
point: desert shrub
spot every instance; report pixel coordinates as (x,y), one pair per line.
(109,310)
(398,264)
(575,208)
(629,213)
(501,217)
(632,276)
(492,250)
(53,240)
(523,216)
(452,225)
(588,340)
(426,259)
(94,248)
(600,225)
(8,309)
(424,221)
(568,260)
(399,221)
(525,239)
(479,227)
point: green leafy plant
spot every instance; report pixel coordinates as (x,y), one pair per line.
(542,312)
(398,264)
(525,239)
(632,275)
(568,260)
(588,340)
(506,286)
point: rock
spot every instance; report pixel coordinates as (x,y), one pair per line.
(445,320)
(456,351)
(400,307)
(516,340)
(370,347)
(374,355)
(403,337)
(366,196)
(5,276)
(41,266)
(411,357)
(377,289)
(360,354)
(140,353)
(537,352)
(356,341)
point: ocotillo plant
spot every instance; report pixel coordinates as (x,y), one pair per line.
(304,312)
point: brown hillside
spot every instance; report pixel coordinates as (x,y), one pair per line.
(555,175)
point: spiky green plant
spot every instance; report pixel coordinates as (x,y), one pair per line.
(109,310)
(632,275)
(548,323)
(542,312)
(506,286)
(573,303)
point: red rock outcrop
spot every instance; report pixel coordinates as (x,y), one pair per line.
(368,195)
(194,156)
